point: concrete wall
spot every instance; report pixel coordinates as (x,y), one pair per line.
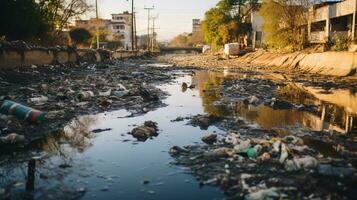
(10,58)
(126,54)
(327,63)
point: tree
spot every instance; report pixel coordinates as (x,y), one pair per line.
(61,12)
(80,36)
(285,21)
(180,41)
(22,19)
(197,38)
(226,21)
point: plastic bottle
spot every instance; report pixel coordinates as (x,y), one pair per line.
(251,152)
(22,112)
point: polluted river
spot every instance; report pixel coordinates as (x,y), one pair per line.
(193,134)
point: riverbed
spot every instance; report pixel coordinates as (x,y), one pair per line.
(77,162)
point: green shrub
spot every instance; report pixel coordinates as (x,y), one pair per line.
(340,42)
(264,46)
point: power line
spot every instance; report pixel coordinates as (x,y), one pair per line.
(148,36)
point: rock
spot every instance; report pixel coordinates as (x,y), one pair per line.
(330,170)
(209,139)
(204,121)
(151,124)
(175,150)
(184,86)
(145,181)
(264,194)
(149,129)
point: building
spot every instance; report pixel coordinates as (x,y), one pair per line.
(121,26)
(330,18)
(196,25)
(257,36)
(117,29)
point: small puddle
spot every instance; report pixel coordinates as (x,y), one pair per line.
(77,163)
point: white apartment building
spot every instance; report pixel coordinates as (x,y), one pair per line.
(119,27)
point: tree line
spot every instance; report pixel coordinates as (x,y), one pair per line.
(285,23)
(39,21)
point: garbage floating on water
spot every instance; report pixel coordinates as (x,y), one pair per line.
(22,112)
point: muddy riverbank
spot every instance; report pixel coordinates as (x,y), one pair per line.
(219,133)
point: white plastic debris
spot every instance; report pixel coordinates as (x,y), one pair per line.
(269,193)
(306,162)
(38,100)
(243,146)
(105,94)
(284,153)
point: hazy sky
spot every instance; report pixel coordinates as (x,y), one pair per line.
(174,16)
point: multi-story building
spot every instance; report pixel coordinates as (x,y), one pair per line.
(196,25)
(117,29)
(330,18)
(121,26)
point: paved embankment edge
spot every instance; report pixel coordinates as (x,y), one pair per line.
(10,58)
(327,63)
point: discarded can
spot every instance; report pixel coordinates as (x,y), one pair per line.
(85,95)
(22,112)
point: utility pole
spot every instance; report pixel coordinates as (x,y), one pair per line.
(135,33)
(153,34)
(132,26)
(97,24)
(148,36)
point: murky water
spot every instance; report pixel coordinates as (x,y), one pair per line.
(76,163)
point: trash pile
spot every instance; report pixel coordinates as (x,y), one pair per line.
(37,100)
(266,167)
(255,91)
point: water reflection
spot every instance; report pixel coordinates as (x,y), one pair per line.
(336,110)
(54,154)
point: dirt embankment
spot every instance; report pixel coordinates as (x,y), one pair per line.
(328,63)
